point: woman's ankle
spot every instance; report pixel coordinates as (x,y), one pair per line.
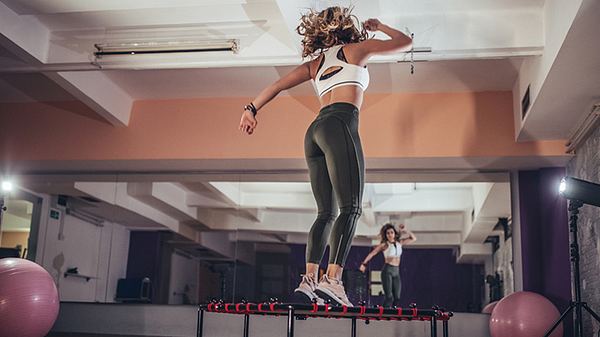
(335,272)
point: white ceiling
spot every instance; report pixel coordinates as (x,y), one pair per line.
(269,47)
(72,14)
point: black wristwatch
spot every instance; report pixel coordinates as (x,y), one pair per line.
(250,107)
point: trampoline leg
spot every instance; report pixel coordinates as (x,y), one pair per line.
(433,327)
(445,328)
(246,324)
(200,323)
(353,326)
(290,322)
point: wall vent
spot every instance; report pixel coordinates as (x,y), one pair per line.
(525,101)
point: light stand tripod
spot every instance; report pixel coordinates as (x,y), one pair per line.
(576,305)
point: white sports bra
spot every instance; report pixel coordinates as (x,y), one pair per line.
(345,74)
(393,250)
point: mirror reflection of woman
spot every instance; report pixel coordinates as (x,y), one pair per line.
(340,48)
(391,245)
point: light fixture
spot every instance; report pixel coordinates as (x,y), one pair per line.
(580,190)
(562,187)
(7,186)
(164,47)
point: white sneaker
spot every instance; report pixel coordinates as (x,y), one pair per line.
(307,288)
(333,290)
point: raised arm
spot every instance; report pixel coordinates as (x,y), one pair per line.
(409,239)
(375,251)
(398,42)
(297,76)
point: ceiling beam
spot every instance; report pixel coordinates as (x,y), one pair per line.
(40,7)
(98,92)
(28,38)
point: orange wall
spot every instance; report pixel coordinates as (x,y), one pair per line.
(391,126)
(12,239)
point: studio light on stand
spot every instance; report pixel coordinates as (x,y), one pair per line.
(578,192)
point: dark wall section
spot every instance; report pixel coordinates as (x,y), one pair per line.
(545,236)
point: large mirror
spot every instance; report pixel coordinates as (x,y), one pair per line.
(461,259)
(19,223)
(71,227)
(189,238)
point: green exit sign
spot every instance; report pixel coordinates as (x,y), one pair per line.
(54,214)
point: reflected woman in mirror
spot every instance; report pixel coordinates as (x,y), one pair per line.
(391,245)
(340,48)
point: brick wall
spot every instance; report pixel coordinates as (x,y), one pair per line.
(586,165)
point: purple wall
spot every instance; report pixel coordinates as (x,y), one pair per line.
(150,257)
(545,237)
(429,276)
(143,255)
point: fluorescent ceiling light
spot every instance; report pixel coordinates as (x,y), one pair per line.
(165,47)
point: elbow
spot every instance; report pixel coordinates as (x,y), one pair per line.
(401,42)
(404,43)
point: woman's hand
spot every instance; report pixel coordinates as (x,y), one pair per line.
(362,268)
(403,229)
(248,123)
(372,25)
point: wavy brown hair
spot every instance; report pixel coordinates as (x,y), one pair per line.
(384,229)
(330,27)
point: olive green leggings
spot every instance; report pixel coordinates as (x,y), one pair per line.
(336,168)
(390,279)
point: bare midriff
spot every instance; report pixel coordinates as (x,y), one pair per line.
(394,261)
(352,94)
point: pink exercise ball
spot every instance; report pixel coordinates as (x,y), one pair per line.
(489,308)
(28,299)
(524,314)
